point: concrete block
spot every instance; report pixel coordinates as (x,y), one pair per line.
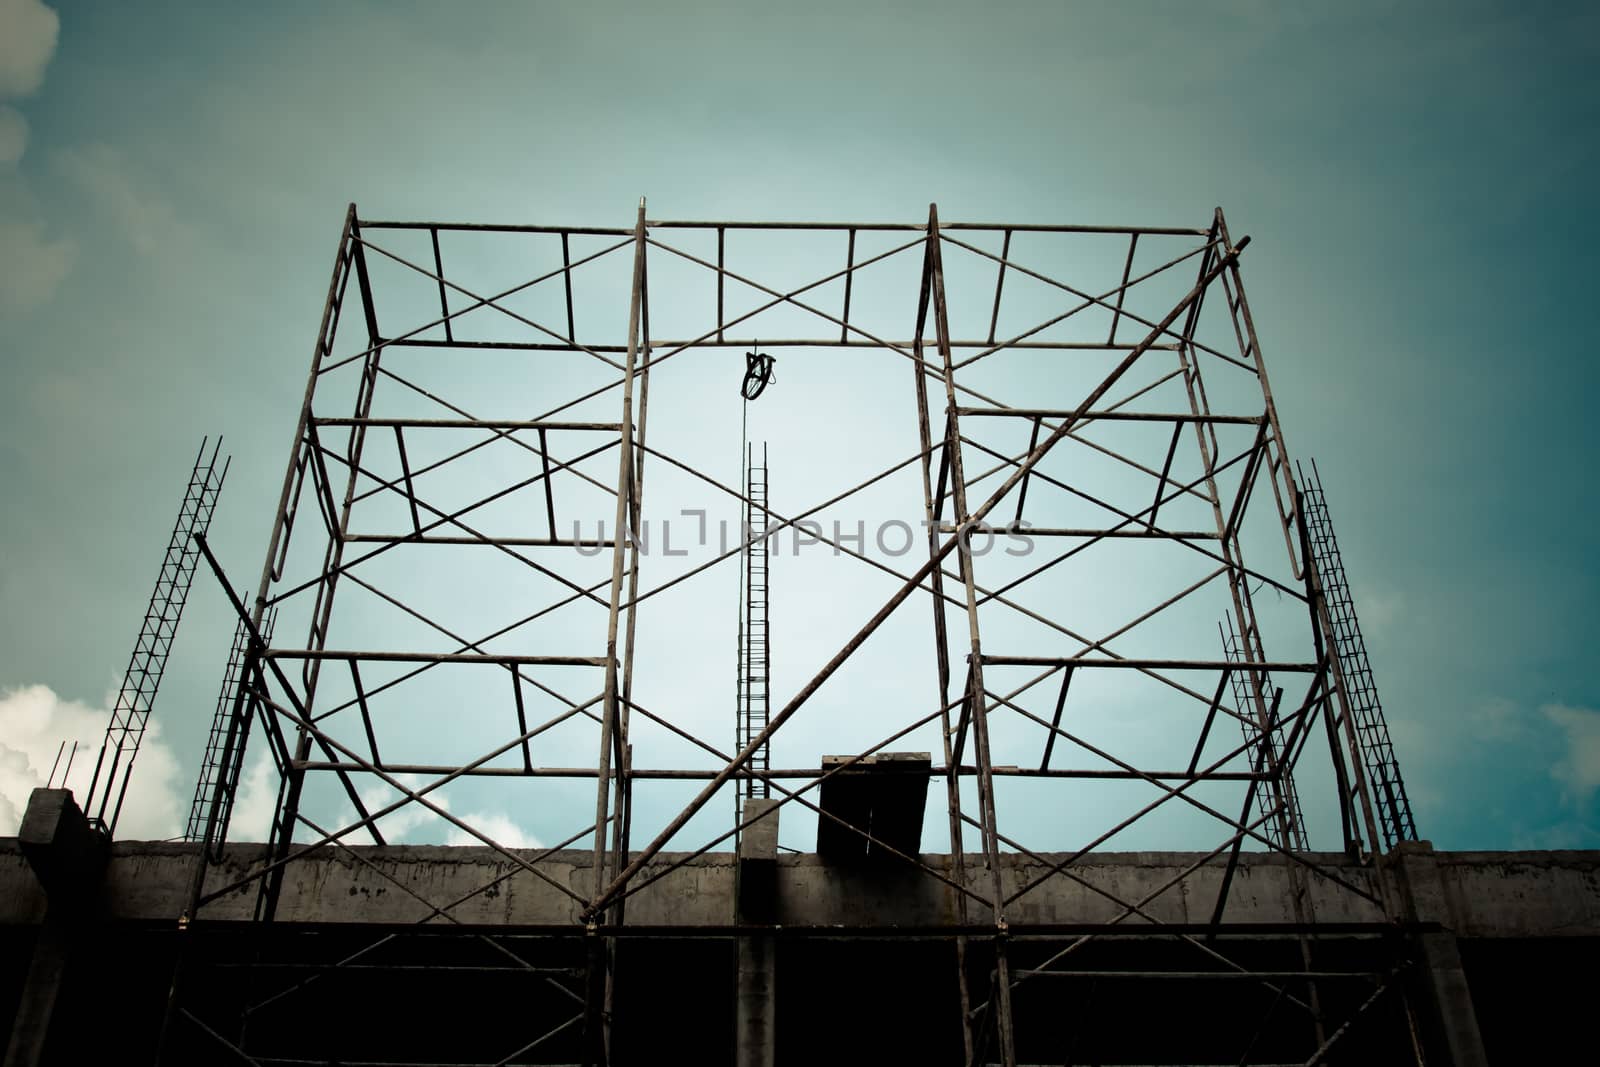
(66,853)
(884,795)
(756,876)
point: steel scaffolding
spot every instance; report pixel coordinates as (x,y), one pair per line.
(1095,391)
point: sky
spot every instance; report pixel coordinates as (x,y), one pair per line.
(173,179)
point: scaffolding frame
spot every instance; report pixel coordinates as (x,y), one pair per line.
(1281,704)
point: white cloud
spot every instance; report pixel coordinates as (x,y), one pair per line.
(1579,770)
(251,819)
(13,136)
(497,826)
(28,32)
(408,818)
(411,823)
(418,824)
(33,723)
(36,265)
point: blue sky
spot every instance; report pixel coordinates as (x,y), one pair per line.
(172,180)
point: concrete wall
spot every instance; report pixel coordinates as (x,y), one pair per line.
(1523,922)
(1486,894)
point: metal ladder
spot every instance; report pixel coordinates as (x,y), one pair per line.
(224,756)
(131,713)
(1361,693)
(755,684)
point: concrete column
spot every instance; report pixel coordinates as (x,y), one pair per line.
(68,857)
(757,1013)
(756,901)
(46,972)
(1452,1030)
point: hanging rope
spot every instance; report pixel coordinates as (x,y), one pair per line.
(757,374)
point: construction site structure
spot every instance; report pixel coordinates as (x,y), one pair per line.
(1077,468)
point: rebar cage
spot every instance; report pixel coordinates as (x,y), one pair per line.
(1042,527)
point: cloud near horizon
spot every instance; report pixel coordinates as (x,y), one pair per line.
(35,722)
(412,823)
(1579,770)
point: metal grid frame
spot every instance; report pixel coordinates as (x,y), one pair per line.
(130,716)
(1383,769)
(754,695)
(1277,724)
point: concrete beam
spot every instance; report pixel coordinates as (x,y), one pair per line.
(1487,894)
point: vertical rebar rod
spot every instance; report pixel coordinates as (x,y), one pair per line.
(1377,751)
